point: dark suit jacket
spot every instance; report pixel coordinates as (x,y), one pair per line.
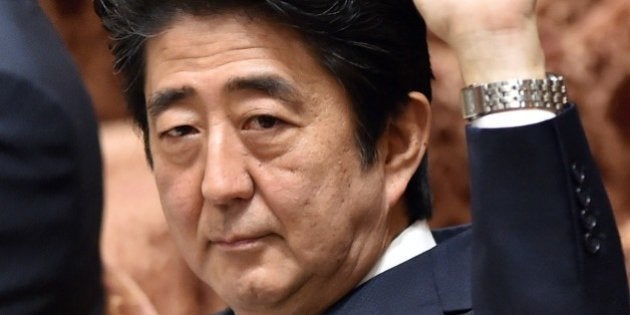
(50,173)
(543,238)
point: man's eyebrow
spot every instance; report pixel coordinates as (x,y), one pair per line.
(272,85)
(162,100)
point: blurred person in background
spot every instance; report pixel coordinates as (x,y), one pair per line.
(50,173)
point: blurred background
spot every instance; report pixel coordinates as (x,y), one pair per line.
(588,41)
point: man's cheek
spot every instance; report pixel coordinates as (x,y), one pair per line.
(180,208)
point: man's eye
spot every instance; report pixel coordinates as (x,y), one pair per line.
(262,122)
(179,131)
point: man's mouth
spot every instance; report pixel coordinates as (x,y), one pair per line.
(234,243)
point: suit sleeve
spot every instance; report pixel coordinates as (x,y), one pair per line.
(544,236)
(39,212)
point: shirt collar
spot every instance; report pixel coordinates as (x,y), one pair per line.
(413,241)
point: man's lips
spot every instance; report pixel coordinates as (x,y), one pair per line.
(239,242)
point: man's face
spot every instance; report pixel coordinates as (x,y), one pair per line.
(257,166)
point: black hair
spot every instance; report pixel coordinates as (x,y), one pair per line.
(376,49)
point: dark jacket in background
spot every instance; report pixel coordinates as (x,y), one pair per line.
(50,173)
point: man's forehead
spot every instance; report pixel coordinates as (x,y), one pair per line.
(188,33)
(235,19)
(205,42)
(197,37)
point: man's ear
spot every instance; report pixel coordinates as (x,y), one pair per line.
(406,143)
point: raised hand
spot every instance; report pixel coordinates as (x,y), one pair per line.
(494,39)
(453,19)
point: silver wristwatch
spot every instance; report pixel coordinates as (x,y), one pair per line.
(547,94)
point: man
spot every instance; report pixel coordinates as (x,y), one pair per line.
(50,173)
(287,140)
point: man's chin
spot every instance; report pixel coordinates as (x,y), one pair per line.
(261,298)
(260,290)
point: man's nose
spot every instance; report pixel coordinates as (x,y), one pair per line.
(226,178)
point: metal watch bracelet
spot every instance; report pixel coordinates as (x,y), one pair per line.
(547,94)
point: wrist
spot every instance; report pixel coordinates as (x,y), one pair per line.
(494,56)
